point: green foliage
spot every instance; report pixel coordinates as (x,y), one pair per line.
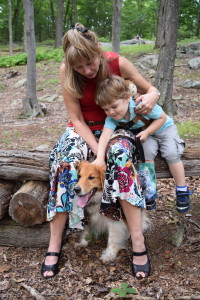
(8,136)
(41,54)
(189,129)
(15,60)
(136,50)
(137,17)
(2,87)
(124,290)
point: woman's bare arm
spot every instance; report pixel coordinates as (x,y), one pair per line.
(73,108)
(149,94)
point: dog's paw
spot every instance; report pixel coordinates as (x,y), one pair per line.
(108,255)
(81,244)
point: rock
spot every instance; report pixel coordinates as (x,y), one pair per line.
(191,84)
(194,63)
(48,98)
(20,83)
(177,237)
(192,48)
(133,41)
(147,62)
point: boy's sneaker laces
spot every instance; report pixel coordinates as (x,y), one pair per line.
(151,205)
(183,201)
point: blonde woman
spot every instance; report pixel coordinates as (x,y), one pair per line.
(85,66)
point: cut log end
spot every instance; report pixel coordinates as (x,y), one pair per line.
(28,205)
(28,211)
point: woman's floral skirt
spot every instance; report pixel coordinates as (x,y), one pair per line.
(121,182)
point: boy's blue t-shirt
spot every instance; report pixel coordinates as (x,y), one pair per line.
(154,114)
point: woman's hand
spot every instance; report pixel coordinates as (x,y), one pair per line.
(147,102)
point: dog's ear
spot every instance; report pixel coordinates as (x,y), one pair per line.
(102,171)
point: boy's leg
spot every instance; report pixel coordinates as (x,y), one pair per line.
(147,176)
(146,173)
(172,147)
(182,192)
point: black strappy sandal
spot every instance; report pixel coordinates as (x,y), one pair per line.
(53,268)
(141,268)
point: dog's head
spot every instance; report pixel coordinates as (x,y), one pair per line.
(91,180)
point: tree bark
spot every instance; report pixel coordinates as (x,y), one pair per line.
(169,12)
(116,20)
(28,205)
(31,106)
(75,11)
(59,24)
(24,165)
(66,13)
(6,192)
(158,26)
(10,27)
(14,235)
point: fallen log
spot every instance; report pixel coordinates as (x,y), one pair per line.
(28,205)
(6,192)
(14,235)
(26,165)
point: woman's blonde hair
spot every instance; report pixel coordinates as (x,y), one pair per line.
(110,89)
(79,43)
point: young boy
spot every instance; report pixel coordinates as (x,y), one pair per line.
(113,95)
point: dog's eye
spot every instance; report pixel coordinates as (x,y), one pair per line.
(91,177)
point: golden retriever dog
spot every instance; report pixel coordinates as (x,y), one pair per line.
(89,189)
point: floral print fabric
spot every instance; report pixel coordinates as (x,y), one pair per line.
(122,181)
(64,160)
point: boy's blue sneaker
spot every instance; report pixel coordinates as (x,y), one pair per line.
(183,201)
(151,202)
(151,206)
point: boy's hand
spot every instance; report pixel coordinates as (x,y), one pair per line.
(99,162)
(143,135)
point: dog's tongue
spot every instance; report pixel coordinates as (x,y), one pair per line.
(82,201)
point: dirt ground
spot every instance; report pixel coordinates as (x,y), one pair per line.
(175,270)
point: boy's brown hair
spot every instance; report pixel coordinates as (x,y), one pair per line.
(112,88)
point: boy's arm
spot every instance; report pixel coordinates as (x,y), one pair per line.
(102,144)
(154,126)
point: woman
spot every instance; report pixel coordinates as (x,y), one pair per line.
(85,65)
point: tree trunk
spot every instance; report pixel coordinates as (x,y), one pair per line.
(6,192)
(75,11)
(158,26)
(59,24)
(10,27)
(66,13)
(29,203)
(23,165)
(17,7)
(14,235)
(169,12)
(31,106)
(116,20)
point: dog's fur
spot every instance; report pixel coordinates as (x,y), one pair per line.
(89,193)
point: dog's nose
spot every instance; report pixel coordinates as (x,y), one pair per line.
(77,189)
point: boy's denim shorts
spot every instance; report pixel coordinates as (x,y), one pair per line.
(168,142)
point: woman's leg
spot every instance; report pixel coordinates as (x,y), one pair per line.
(122,190)
(57,226)
(64,160)
(134,219)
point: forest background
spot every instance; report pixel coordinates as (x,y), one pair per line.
(137,18)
